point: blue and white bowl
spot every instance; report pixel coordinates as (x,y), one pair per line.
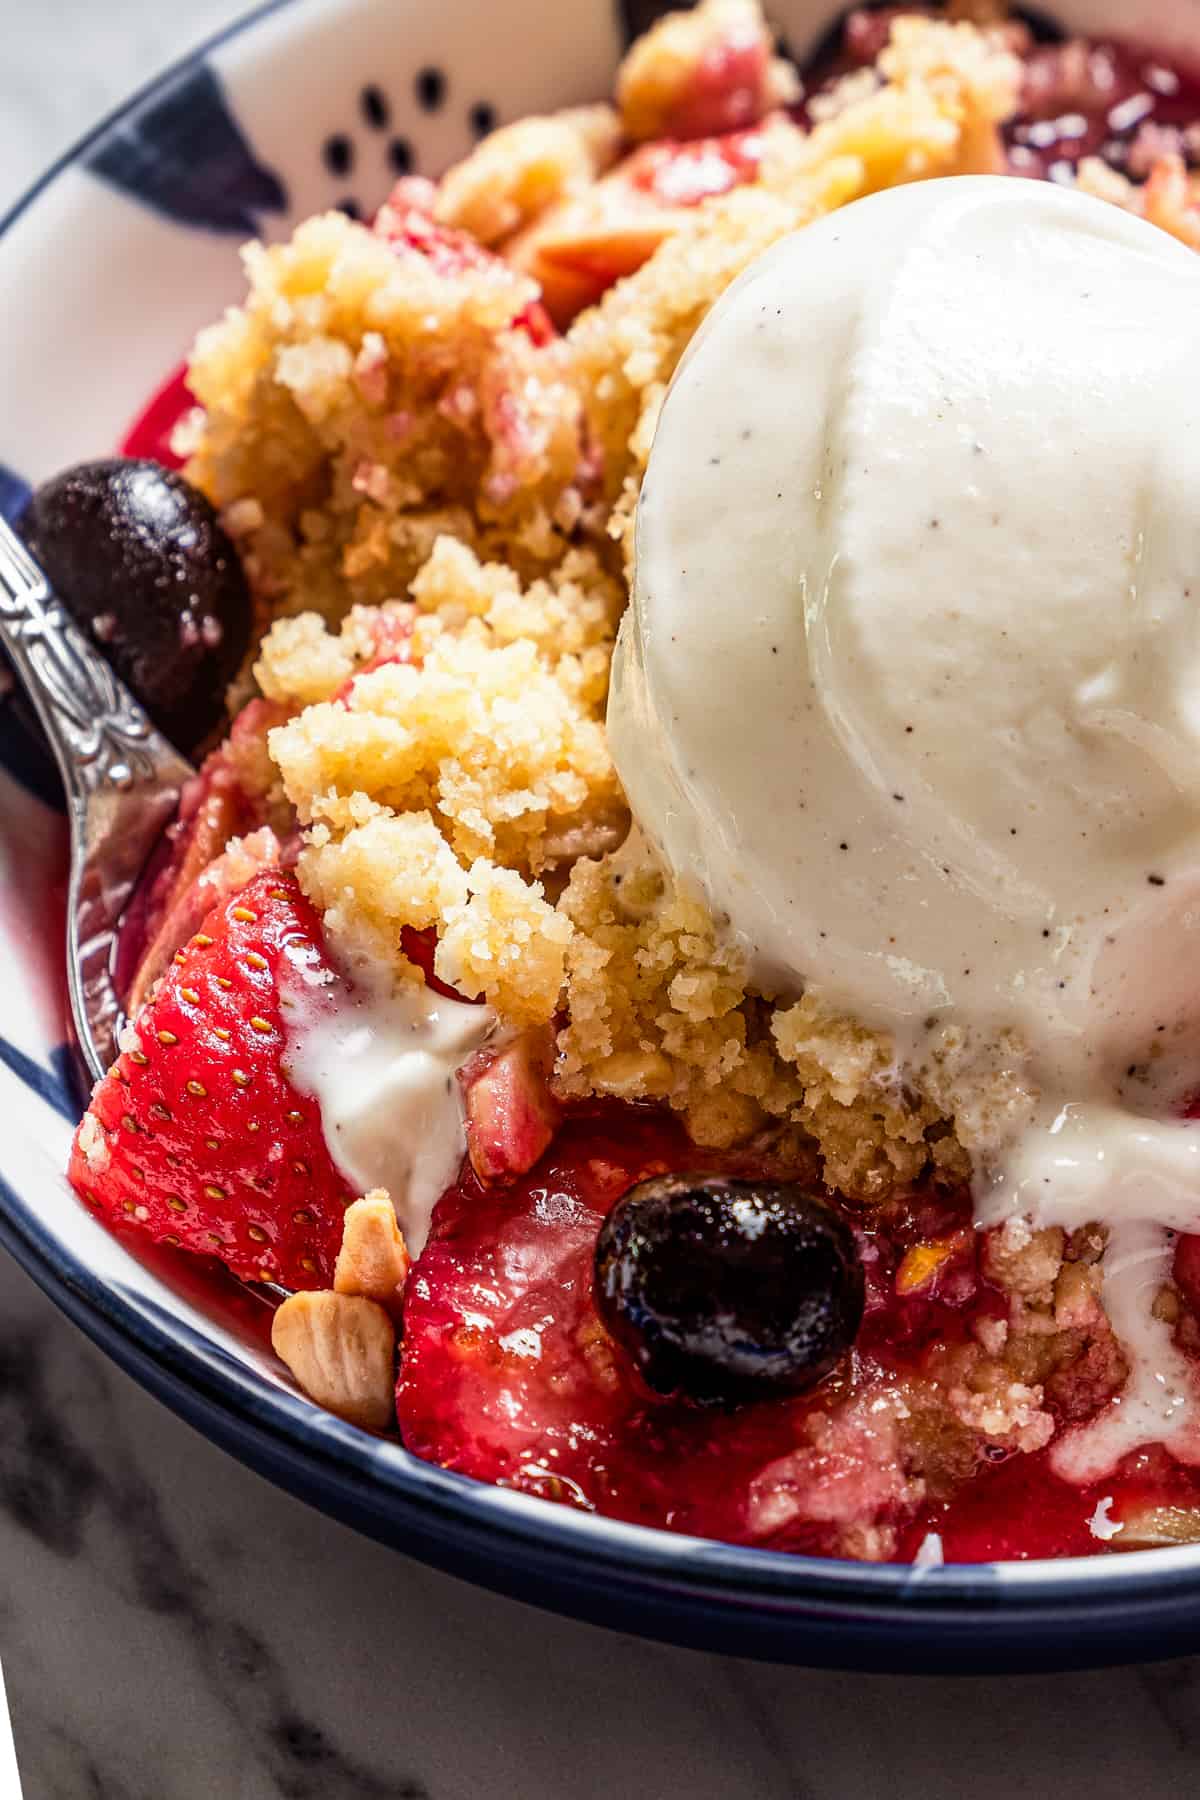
(109,267)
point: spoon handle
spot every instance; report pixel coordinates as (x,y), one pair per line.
(122,780)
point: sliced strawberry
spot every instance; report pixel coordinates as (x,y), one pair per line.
(685,174)
(511,1113)
(730,88)
(406,221)
(211,811)
(226,798)
(196,1137)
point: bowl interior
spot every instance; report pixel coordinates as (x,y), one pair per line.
(111,266)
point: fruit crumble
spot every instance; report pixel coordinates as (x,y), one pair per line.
(477,1056)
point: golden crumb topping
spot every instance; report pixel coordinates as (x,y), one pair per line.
(518,172)
(496,745)
(434,495)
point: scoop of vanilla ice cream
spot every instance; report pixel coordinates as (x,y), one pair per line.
(910,683)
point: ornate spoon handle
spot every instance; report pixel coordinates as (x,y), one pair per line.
(122,780)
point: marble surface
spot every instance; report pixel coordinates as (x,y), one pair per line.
(172,1628)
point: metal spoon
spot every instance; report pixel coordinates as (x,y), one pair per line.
(122,779)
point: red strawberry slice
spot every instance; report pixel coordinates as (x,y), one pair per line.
(684,174)
(215,806)
(196,1137)
(729,88)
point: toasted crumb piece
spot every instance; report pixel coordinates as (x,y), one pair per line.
(519,171)
(341,1349)
(300,661)
(1169,198)
(571,617)
(968,73)
(699,73)
(501,939)
(93,1144)
(483,736)
(1023,1261)
(1009,1414)
(393,870)
(659,1007)
(373,1260)
(507,944)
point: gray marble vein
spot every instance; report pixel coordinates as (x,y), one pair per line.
(172,1628)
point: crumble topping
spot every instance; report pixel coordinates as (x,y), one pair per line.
(708,70)
(397,442)
(521,170)
(369,401)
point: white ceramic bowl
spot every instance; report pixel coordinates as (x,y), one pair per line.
(109,267)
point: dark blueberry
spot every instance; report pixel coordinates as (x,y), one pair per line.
(350,207)
(375,108)
(1042,28)
(140,560)
(430,85)
(482,118)
(728,1290)
(338,154)
(400,155)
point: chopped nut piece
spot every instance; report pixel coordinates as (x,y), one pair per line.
(341,1349)
(93,1144)
(1154,1527)
(373,1260)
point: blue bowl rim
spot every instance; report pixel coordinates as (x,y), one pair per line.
(286,1437)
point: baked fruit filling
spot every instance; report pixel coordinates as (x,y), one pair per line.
(482,1052)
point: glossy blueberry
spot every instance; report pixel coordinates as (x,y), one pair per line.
(140,560)
(728,1290)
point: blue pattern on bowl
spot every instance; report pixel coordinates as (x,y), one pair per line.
(182,152)
(57,1084)
(13,492)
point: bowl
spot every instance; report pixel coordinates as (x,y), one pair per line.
(110,265)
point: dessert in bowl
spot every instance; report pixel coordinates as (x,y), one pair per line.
(764,1015)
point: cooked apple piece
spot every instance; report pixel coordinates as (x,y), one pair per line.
(511,1113)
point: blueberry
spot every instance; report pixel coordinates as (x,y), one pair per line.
(140,560)
(728,1290)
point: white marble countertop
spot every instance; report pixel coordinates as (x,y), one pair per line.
(172,1628)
